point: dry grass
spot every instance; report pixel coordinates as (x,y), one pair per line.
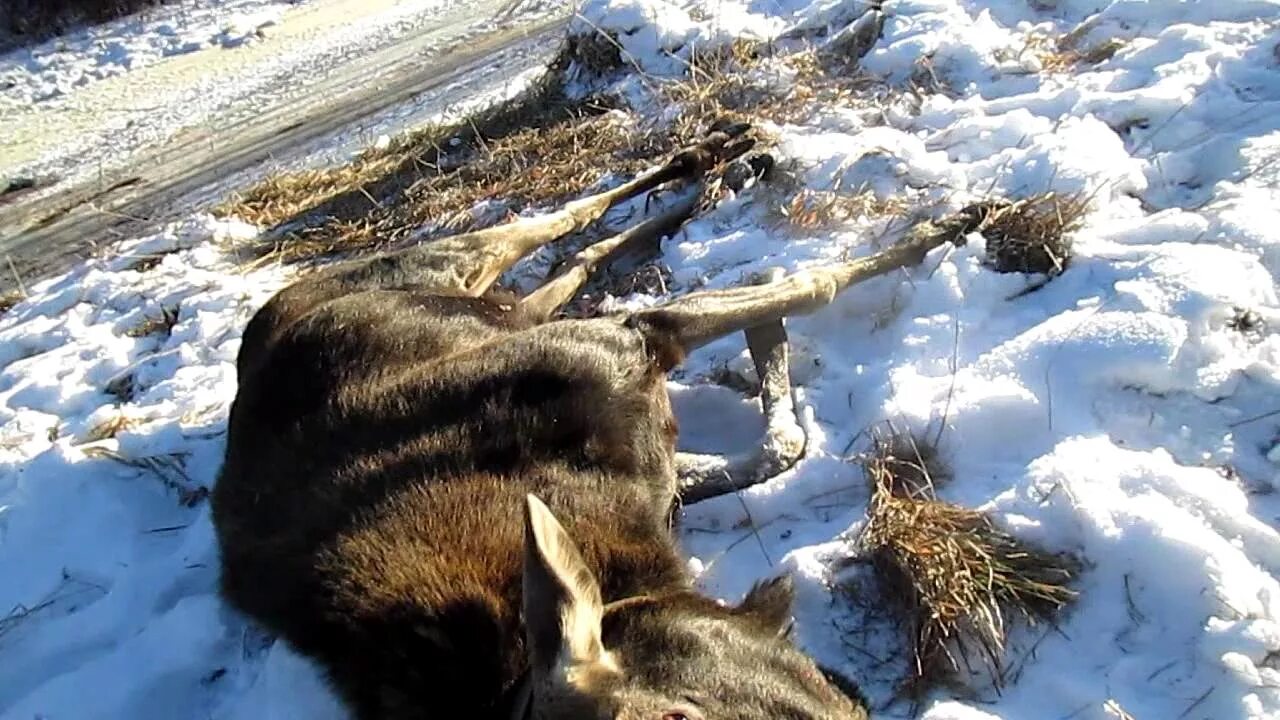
(910,461)
(10,299)
(379,173)
(161,324)
(110,428)
(543,165)
(787,90)
(735,82)
(813,209)
(536,150)
(741,54)
(1066,54)
(169,469)
(598,53)
(956,579)
(1032,235)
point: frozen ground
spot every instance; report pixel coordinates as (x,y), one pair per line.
(57,67)
(97,131)
(1122,412)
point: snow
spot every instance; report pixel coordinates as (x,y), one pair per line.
(58,66)
(1118,413)
(95,129)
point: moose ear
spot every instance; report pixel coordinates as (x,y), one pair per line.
(768,604)
(562,605)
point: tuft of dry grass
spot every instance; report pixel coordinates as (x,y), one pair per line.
(110,427)
(735,56)
(813,209)
(1066,53)
(9,299)
(536,150)
(737,83)
(1032,235)
(597,53)
(910,461)
(170,469)
(155,324)
(956,578)
(377,174)
(537,166)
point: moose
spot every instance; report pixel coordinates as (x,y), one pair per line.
(460,505)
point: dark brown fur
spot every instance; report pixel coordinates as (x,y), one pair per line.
(371,507)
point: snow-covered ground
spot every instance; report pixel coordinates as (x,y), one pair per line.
(1122,413)
(56,67)
(87,131)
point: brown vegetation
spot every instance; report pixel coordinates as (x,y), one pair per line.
(534,150)
(955,579)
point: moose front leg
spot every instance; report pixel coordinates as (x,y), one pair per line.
(705,476)
(470,263)
(699,318)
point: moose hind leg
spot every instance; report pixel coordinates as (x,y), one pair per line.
(469,264)
(542,304)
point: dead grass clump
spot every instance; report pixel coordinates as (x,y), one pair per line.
(1032,235)
(1058,60)
(348,192)
(9,299)
(1067,52)
(909,461)
(812,209)
(110,428)
(538,166)
(955,578)
(735,56)
(155,324)
(597,53)
(788,200)
(536,150)
(735,83)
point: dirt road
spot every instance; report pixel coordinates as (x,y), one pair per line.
(43,235)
